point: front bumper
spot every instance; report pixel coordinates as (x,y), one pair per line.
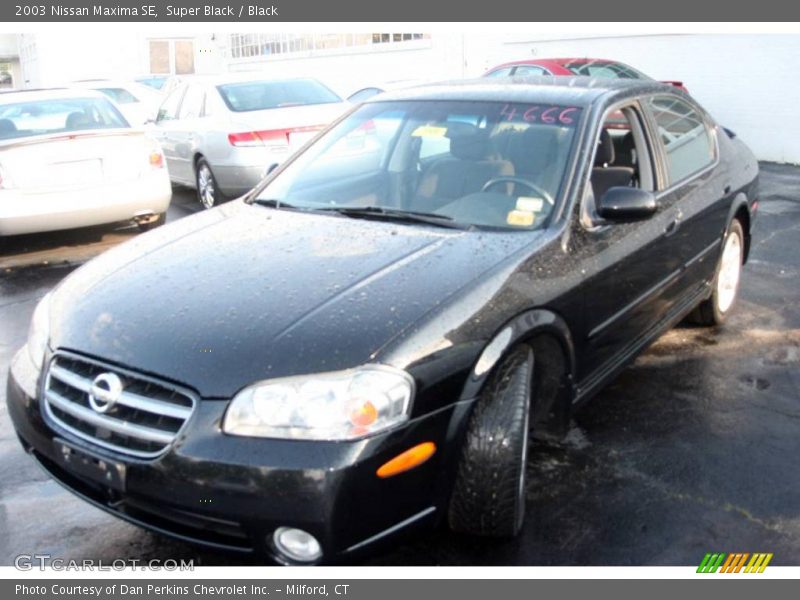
(231,493)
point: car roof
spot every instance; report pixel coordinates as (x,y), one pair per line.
(238,77)
(575,91)
(35,95)
(558,61)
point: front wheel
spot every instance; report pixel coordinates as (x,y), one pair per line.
(489,493)
(726,281)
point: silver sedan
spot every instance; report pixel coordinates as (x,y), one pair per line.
(221,134)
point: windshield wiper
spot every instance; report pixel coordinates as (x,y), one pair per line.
(274,203)
(408,216)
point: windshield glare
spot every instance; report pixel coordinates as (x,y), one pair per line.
(65,115)
(489,164)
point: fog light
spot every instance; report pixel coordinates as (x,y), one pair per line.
(296,544)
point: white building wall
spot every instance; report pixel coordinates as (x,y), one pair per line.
(55,59)
(350,69)
(746,82)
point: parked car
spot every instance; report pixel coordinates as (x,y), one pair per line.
(382,324)
(154,81)
(69,159)
(365,92)
(137,102)
(221,134)
(588,67)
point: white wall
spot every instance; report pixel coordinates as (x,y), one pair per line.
(61,58)
(747,82)
(351,69)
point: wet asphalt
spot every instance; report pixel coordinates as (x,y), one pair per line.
(693,448)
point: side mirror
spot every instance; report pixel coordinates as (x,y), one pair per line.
(626,204)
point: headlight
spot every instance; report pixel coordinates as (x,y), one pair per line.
(39,332)
(343,405)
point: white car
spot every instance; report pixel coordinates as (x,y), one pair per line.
(68,159)
(220,134)
(136,101)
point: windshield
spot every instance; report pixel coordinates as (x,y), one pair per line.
(63,115)
(262,95)
(489,164)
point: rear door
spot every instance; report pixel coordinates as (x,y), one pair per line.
(187,128)
(167,130)
(694,183)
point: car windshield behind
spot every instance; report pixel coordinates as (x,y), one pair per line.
(485,164)
(61,115)
(263,95)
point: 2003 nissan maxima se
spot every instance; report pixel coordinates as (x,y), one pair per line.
(366,342)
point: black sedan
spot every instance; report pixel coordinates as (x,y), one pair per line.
(366,342)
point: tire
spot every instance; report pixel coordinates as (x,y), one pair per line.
(208,192)
(489,492)
(160,220)
(725,287)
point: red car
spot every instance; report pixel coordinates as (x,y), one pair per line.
(590,67)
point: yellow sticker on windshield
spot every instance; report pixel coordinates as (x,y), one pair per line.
(429,131)
(530,203)
(520,218)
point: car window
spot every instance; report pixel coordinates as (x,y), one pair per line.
(65,115)
(192,105)
(262,95)
(119,95)
(168,110)
(609,70)
(488,164)
(504,72)
(524,70)
(438,145)
(688,142)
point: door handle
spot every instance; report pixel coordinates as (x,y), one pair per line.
(672,227)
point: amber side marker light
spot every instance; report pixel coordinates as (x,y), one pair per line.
(413,457)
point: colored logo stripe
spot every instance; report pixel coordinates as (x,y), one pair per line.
(733,563)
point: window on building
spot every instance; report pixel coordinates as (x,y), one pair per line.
(251,45)
(171,57)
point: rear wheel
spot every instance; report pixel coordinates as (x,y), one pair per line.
(489,493)
(726,281)
(208,192)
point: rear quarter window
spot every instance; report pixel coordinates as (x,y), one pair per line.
(686,137)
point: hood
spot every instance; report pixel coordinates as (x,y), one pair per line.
(243,293)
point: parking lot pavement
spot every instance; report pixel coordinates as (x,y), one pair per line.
(79,245)
(692,449)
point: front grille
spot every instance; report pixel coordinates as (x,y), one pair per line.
(143,422)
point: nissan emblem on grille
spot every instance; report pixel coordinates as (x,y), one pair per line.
(119,410)
(105,391)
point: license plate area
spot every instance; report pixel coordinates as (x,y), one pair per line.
(74,172)
(99,470)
